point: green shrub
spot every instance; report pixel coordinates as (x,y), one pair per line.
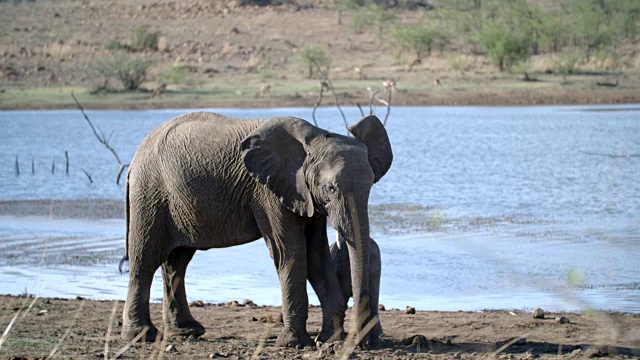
(503,46)
(175,75)
(143,39)
(459,64)
(415,39)
(310,56)
(373,16)
(130,71)
(115,45)
(567,64)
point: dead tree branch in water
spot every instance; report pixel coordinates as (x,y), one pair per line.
(329,85)
(388,86)
(104,140)
(87,175)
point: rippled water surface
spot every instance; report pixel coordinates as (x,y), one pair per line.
(482,208)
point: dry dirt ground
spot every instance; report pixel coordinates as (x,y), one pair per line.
(78,329)
(50,48)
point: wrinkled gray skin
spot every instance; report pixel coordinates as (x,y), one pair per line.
(203,181)
(340,258)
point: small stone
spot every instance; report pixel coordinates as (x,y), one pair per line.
(381,307)
(562,320)
(162,43)
(233,303)
(170,349)
(410,310)
(42,312)
(538,313)
(197,303)
(448,342)
(248,302)
(593,353)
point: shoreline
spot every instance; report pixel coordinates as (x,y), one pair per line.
(60,99)
(243,332)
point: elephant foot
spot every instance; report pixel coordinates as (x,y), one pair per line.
(328,336)
(371,341)
(187,329)
(147,333)
(295,339)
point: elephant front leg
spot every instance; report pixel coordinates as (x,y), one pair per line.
(291,265)
(176,315)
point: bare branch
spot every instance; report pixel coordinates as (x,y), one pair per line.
(360,108)
(102,139)
(325,76)
(88,175)
(386,116)
(320,96)
(372,96)
(98,133)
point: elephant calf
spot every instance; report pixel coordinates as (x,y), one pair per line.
(340,258)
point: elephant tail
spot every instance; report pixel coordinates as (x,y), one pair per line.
(125,258)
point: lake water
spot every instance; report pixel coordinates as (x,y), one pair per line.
(508,208)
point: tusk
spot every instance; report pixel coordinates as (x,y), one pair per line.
(338,242)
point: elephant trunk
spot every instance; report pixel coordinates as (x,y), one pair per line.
(357,238)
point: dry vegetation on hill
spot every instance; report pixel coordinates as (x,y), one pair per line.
(224,53)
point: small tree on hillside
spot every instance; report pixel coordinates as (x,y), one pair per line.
(130,71)
(503,47)
(415,39)
(313,57)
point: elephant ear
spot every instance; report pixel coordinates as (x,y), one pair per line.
(370,131)
(274,155)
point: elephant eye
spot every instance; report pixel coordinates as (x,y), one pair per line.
(328,191)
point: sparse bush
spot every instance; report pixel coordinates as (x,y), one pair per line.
(416,39)
(566,64)
(503,46)
(143,39)
(312,55)
(373,16)
(608,59)
(175,75)
(115,45)
(131,72)
(460,64)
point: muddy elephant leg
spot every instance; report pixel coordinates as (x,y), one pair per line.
(176,315)
(375,266)
(342,268)
(136,316)
(323,279)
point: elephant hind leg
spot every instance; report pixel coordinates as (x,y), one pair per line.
(177,317)
(147,249)
(136,316)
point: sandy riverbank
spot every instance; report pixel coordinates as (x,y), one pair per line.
(78,328)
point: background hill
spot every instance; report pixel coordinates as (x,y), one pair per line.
(258,52)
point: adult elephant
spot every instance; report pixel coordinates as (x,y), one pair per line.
(204,181)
